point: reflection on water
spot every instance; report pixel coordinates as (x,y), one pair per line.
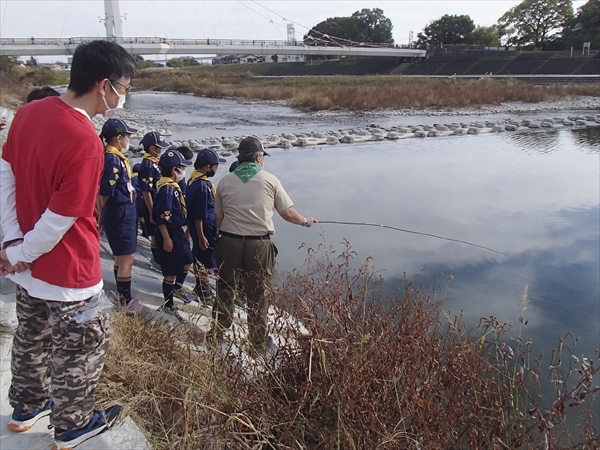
(540,206)
(541,141)
(588,140)
(534,195)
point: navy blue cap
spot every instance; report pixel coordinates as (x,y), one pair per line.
(234,165)
(154,138)
(208,157)
(172,158)
(114,127)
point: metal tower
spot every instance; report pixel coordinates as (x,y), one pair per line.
(112,19)
(291,33)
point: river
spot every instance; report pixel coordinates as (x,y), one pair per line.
(534,195)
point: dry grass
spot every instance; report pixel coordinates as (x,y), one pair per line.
(376,370)
(17,82)
(357,93)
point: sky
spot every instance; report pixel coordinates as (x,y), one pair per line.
(227,19)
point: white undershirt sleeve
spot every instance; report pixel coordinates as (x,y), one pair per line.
(47,232)
(8,213)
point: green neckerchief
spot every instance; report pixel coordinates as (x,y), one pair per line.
(245,171)
(200,176)
(169,181)
(115,151)
(154,159)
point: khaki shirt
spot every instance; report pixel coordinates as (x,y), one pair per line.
(248,207)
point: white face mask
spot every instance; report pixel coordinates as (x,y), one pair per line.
(111,112)
(179,176)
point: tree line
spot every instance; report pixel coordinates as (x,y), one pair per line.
(532,24)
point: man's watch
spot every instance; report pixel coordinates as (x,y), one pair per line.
(303,224)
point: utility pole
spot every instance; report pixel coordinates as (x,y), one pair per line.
(112,19)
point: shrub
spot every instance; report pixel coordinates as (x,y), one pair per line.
(372,369)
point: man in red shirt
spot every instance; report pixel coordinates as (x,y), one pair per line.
(49,179)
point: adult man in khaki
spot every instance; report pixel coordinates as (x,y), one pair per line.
(244,205)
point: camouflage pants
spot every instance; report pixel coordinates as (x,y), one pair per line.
(53,356)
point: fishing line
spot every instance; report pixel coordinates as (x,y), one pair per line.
(415,232)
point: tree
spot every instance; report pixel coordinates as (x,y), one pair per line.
(189,61)
(141,63)
(585,27)
(448,30)
(366,25)
(486,35)
(373,26)
(174,63)
(536,22)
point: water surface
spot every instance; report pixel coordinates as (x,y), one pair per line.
(533,195)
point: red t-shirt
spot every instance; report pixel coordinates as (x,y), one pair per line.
(57,159)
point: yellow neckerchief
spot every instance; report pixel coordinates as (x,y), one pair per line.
(115,151)
(169,181)
(196,175)
(154,159)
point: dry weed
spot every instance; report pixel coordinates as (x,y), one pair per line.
(373,369)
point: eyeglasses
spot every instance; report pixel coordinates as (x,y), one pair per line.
(127,88)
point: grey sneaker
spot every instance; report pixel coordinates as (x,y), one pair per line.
(181,294)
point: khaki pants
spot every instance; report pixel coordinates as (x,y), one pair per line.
(53,356)
(256,258)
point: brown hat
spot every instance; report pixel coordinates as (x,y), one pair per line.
(250,146)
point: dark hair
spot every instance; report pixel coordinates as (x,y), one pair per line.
(40,93)
(166,171)
(186,152)
(96,60)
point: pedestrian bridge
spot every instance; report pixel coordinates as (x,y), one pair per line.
(162,46)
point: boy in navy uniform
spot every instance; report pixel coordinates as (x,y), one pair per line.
(139,199)
(201,218)
(169,214)
(117,214)
(153,144)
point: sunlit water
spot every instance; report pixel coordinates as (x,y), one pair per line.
(532,195)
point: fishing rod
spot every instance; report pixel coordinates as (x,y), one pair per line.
(415,232)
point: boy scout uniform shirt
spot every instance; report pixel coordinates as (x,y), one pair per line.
(115,182)
(149,174)
(248,207)
(200,201)
(169,207)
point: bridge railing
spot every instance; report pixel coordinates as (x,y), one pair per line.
(208,41)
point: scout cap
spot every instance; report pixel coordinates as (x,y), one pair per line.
(208,157)
(251,146)
(172,158)
(154,138)
(115,127)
